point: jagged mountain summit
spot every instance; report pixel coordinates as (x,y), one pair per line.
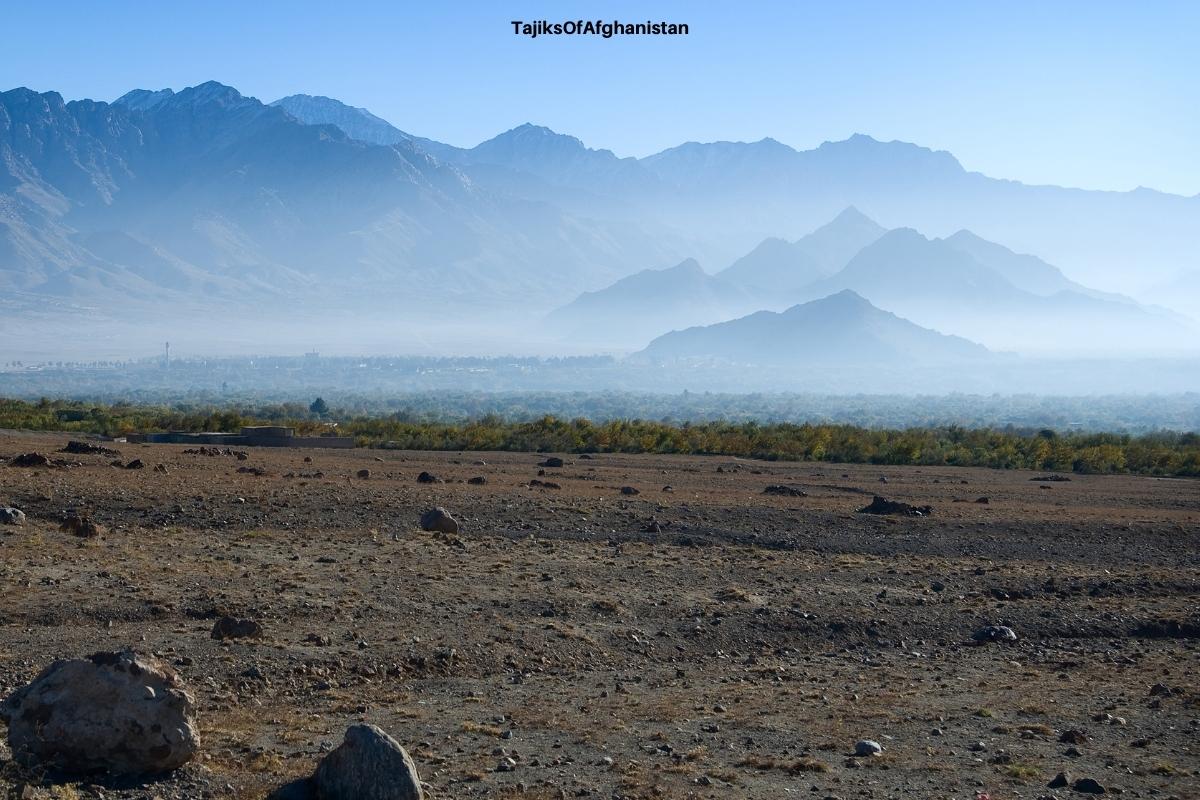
(357,123)
(840,330)
(777,267)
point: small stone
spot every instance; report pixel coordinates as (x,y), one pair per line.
(994,633)
(1061,780)
(506,764)
(867,747)
(11,516)
(1088,786)
(364,473)
(234,628)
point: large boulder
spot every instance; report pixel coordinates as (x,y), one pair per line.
(368,765)
(439,519)
(115,713)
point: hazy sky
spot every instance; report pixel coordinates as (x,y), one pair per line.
(1090,94)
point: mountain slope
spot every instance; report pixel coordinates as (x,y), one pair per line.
(246,200)
(941,284)
(841,330)
(637,308)
(777,266)
(357,123)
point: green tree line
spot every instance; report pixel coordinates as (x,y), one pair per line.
(1164,453)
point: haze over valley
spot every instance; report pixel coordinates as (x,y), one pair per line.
(223,224)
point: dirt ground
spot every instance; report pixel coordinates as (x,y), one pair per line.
(741,650)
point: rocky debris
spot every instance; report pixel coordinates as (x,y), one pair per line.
(1157,690)
(240,455)
(368,765)
(653,526)
(478,480)
(982,500)
(1073,737)
(881,505)
(234,628)
(552,462)
(994,633)
(1060,781)
(363,473)
(1050,478)
(1088,786)
(629,490)
(11,516)
(30,460)
(544,484)
(867,747)
(438,519)
(252,470)
(785,491)
(137,463)
(88,449)
(117,713)
(428,477)
(81,525)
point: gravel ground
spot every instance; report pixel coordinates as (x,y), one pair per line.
(702,641)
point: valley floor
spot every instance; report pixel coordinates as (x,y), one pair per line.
(739,651)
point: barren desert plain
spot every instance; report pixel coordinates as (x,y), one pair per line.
(689,636)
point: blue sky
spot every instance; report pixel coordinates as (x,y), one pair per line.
(1091,94)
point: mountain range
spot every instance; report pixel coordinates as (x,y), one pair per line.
(206,199)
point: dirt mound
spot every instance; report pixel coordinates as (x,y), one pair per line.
(881,505)
(30,460)
(87,449)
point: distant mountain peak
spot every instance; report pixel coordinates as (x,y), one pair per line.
(143,99)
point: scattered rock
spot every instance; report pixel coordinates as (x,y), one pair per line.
(544,484)
(427,477)
(868,747)
(880,505)
(1073,737)
(161,468)
(81,526)
(118,713)
(368,765)
(1060,781)
(137,463)
(438,519)
(478,480)
(552,462)
(252,470)
(629,490)
(234,628)
(785,491)
(1157,690)
(1088,786)
(363,473)
(652,526)
(1051,478)
(994,633)
(11,516)
(982,500)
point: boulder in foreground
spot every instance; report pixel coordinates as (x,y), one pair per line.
(368,765)
(120,714)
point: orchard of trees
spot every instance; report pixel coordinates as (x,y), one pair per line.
(1164,453)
